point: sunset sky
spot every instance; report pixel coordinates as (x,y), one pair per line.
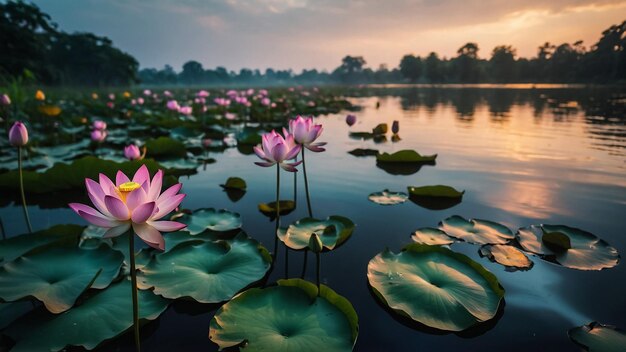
(301,34)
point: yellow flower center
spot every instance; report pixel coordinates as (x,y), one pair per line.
(126,188)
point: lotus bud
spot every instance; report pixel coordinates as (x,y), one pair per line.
(18,134)
(350,120)
(5,100)
(395,127)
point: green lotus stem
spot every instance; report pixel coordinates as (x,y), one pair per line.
(286,262)
(277,209)
(133,278)
(295,186)
(19,166)
(306,186)
(318,272)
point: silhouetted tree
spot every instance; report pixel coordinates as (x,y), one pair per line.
(193,72)
(502,64)
(433,68)
(466,63)
(411,67)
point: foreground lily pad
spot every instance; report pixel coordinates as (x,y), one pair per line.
(586,252)
(14,247)
(506,255)
(596,337)
(435,286)
(58,275)
(207,271)
(287,317)
(101,317)
(476,231)
(211,219)
(333,231)
(405,156)
(387,197)
(432,236)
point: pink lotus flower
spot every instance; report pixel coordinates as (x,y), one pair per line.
(18,134)
(138,203)
(167,93)
(305,133)
(221,101)
(111,96)
(133,102)
(140,101)
(350,120)
(186,110)
(250,92)
(110,105)
(263,92)
(5,100)
(173,105)
(99,125)
(230,116)
(132,152)
(147,92)
(98,135)
(275,149)
(202,94)
(266,102)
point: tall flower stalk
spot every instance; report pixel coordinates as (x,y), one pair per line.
(18,137)
(132,207)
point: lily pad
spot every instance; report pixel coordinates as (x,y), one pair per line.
(235,183)
(363,152)
(287,317)
(269,209)
(596,337)
(508,256)
(381,128)
(333,231)
(14,247)
(435,191)
(476,231)
(587,251)
(165,147)
(9,312)
(435,286)
(207,271)
(432,236)
(100,317)
(387,197)
(211,219)
(405,156)
(58,275)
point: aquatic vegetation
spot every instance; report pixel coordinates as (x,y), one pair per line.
(387,197)
(236,183)
(363,152)
(288,316)
(269,209)
(207,271)
(476,231)
(220,220)
(12,248)
(568,246)
(405,156)
(332,232)
(596,337)
(506,255)
(437,197)
(432,236)
(18,137)
(435,286)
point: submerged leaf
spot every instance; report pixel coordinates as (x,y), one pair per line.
(287,317)
(586,252)
(435,286)
(476,231)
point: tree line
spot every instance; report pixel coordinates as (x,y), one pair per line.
(31,43)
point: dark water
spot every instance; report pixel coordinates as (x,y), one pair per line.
(523,156)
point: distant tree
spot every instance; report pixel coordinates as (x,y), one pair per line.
(350,68)
(193,73)
(606,60)
(433,68)
(502,64)
(466,64)
(411,67)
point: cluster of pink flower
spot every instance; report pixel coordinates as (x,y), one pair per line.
(99,131)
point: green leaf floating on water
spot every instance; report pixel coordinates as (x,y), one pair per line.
(431,236)
(587,251)
(435,191)
(207,271)
(100,317)
(286,317)
(235,183)
(556,241)
(14,247)
(211,219)
(62,177)
(435,286)
(476,231)
(249,136)
(387,197)
(57,275)
(508,256)
(269,209)
(405,156)
(333,231)
(165,147)
(381,128)
(596,337)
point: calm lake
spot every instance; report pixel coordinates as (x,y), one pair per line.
(523,156)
